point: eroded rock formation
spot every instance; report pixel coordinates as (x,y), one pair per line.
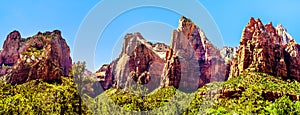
(228,54)
(44,56)
(139,62)
(264,48)
(10,52)
(192,60)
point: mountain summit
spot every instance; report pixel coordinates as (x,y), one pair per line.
(264,48)
(260,76)
(43,56)
(192,60)
(189,63)
(140,61)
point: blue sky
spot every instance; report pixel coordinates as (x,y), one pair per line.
(31,16)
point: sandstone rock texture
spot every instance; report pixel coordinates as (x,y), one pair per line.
(11,49)
(192,61)
(172,70)
(10,52)
(106,77)
(264,48)
(228,54)
(236,93)
(139,62)
(44,56)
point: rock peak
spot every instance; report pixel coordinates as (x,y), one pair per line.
(38,57)
(183,23)
(252,21)
(264,48)
(255,23)
(192,61)
(133,35)
(58,32)
(14,35)
(48,33)
(282,32)
(258,20)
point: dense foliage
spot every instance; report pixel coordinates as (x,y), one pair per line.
(170,101)
(161,101)
(37,97)
(251,99)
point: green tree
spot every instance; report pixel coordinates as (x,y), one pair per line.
(80,79)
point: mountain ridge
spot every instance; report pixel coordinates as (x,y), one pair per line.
(259,76)
(264,48)
(43,56)
(187,39)
(225,62)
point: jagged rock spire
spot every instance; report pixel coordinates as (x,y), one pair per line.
(264,48)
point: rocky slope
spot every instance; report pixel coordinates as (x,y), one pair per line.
(264,48)
(139,62)
(10,52)
(228,54)
(190,62)
(43,56)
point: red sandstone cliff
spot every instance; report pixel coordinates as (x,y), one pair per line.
(43,56)
(264,48)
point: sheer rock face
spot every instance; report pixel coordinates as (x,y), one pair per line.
(292,59)
(264,48)
(189,63)
(285,36)
(145,66)
(172,70)
(11,49)
(105,76)
(44,56)
(11,52)
(160,49)
(192,60)
(139,62)
(228,54)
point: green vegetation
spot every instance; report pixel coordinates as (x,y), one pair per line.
(161,101)
(80,79)
(5,66)
(78,71)
(263,81)
(170,101)
(251,100)
(37,97)
(32,51)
